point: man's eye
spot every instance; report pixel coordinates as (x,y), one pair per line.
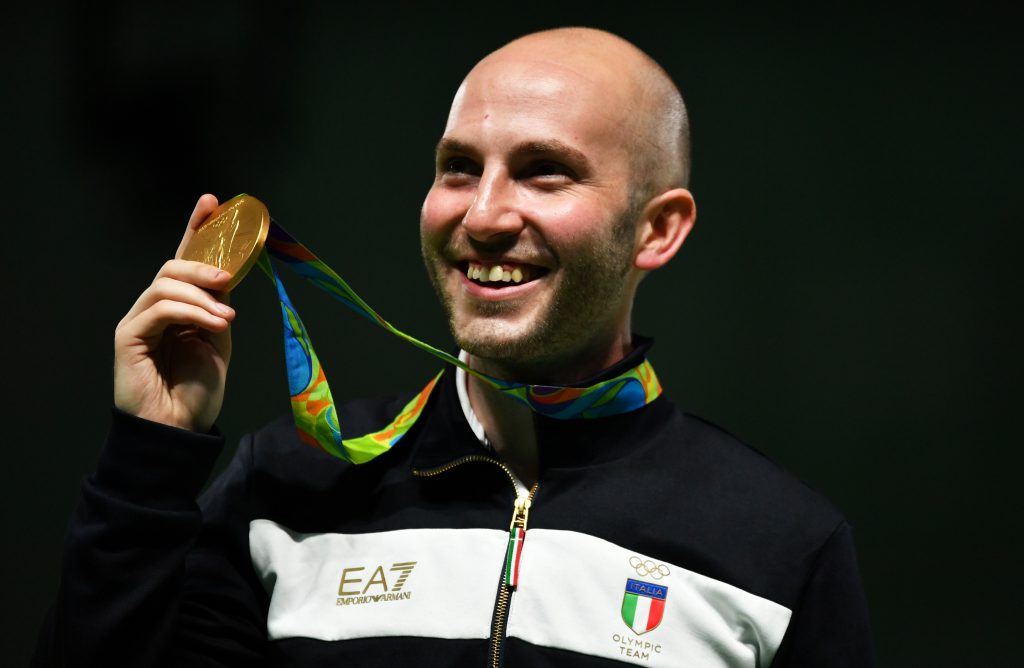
(460,166)
(549,169)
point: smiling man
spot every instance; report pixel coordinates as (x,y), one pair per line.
(583,527)
(560,180)
(539,175)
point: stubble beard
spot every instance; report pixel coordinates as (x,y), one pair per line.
(585,306)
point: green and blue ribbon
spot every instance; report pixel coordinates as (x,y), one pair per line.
(313,406)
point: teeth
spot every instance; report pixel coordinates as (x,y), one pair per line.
(495,273)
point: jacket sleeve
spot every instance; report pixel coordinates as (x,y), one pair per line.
(829,628)
(149,578)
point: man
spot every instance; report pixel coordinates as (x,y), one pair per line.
(644,536)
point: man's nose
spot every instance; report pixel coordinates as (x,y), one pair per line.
(493,214)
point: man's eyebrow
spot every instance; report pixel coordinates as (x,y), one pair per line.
(449,145)
(552,147)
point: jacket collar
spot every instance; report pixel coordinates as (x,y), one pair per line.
(445,435)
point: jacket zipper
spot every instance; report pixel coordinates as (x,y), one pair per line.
(513,552)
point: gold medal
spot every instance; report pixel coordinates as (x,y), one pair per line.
(231,237)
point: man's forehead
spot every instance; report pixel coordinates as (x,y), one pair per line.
(507,84)
(540,74)
(539,90)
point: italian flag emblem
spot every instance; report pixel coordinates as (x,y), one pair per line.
(643,605)
(512,556)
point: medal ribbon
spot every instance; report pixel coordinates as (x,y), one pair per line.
(313,406)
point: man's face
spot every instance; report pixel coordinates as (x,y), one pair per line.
(528,232)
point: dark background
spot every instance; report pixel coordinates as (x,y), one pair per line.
(847,302)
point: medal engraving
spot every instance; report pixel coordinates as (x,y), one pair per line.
(231,237)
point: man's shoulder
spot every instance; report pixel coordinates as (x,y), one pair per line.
(720,507)
(744,478)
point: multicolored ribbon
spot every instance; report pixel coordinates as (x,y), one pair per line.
(313,406)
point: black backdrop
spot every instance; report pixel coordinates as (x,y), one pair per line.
(846,303)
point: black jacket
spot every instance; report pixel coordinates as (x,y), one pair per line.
(653,538)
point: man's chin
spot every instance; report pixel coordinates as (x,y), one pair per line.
(498,341)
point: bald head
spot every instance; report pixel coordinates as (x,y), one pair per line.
(562,159)
(647,104)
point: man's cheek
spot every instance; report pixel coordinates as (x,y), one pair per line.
(441,209)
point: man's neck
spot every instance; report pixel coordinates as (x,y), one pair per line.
(509,425)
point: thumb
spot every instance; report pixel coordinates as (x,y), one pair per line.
(206,204)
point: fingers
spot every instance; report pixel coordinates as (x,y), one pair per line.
(188,283)
(206,204)
(153,321)
(197,273)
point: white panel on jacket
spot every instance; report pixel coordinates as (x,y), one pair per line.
(584,594)
(435,583)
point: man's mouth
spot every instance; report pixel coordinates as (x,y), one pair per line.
(502,274)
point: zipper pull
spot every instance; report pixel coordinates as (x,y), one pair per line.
(516,537)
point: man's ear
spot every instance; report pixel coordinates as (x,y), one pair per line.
(666,221)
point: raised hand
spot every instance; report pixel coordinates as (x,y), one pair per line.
(172,349)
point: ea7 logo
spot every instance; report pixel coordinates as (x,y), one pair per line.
(354,580)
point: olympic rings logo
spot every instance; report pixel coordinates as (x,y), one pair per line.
(646,567)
